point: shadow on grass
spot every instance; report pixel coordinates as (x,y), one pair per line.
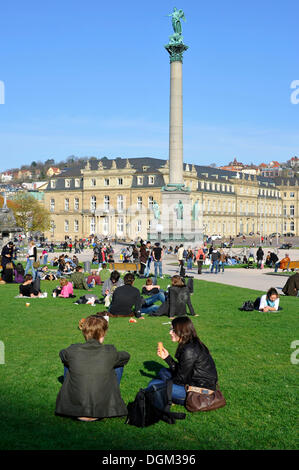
(151,366)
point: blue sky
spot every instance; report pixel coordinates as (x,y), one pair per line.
(92,79)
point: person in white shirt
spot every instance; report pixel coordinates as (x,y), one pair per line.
(270,301)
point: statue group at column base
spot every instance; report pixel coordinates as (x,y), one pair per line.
(176,187)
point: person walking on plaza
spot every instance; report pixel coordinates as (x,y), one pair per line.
(158,256)
(200,257)
(143,255)
(222,261)
(215,256)
(31,259)
(180,258)
(259,257)
(149,259)
(190,256)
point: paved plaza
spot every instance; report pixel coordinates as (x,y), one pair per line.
(258,279)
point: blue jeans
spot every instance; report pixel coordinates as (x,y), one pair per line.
(221,265)
(150,307)
(45,259)
(276,266)
(158,264)
(147,269)
(215,265)
(189,263)
(29,266)
(178,391)
(118,371)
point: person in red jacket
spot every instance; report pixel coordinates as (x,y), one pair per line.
(200,257)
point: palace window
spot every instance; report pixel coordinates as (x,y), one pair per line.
(120,224)
(76,204)
(66,225)
(106,203)
(106,225)
(66,204)
(139,180)
(77,183)
(292,226)
(151,180)
(106,182)
(67,183)
(76,225)
(52,205)
(139,202)
(93,203)
(138,226)
(93,182)
(53,184)
(120,181)
(292,210)
(120,203)
(92,225)
(150,202)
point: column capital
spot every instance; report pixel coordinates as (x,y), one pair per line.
(176,51)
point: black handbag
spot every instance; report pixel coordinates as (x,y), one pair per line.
(152,405)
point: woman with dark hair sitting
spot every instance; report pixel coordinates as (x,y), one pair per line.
(270,301)
(178,298)
(92,375)
(28,288)
(19,272)
(194,366)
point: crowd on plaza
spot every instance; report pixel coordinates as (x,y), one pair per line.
(93,371)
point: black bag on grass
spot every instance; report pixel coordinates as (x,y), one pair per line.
(248,306)
(152,405)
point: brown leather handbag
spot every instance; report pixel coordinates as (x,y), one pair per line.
(199,399)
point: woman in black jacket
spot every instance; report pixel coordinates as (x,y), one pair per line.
(194,365)
(92,375)
(178,298)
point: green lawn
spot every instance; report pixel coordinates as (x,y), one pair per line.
(251,351)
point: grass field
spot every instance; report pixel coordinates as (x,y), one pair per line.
(251,351)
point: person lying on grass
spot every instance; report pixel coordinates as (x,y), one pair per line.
(270,301)
(194,367)
(92,374)
(28,289)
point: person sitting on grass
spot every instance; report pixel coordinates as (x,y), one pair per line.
(93,279)
(65,290)
(150,288)
(28,288)
(178,298)
(78,279)
(270,301)
(194,366)
(19,272)
(8,273)
(92,375)
(126,300)
(105,272)
(291,287)
(283,264)
(110,285)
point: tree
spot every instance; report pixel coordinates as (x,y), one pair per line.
(30,215)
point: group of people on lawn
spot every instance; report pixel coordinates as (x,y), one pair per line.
(93,370)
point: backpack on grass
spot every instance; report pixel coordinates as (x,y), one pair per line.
(152,405)
(248,306)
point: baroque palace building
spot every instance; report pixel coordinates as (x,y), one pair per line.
(114,198)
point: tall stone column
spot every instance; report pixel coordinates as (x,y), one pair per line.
(175,50)
(176,123)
